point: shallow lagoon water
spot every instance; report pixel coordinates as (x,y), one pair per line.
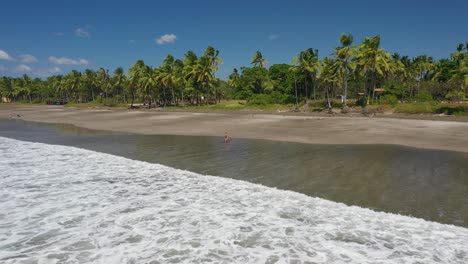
(428,184)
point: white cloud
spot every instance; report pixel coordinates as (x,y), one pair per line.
(5,56)
(23,68)
(82,32)
(67,61)
(166,38)
(273,36)
(47,72)
(54,70)
(58,34)
(27,58)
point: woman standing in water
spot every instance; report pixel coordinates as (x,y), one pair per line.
(227,139)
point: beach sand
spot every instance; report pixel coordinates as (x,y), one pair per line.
(294,127)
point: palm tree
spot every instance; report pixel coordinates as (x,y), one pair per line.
(167,75)
(328,78)
(343,63)
(178,77)
(103,80)
(119,80)
(148,81)
(294,69)
(90,81)
(460,74)
(309,62)
(258,60)
(204,73)
(135,73)
(212,55)
(190,73)
(372,61)
(234,78)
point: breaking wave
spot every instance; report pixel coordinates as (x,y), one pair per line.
(63,204)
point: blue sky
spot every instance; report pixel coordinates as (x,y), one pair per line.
(52,37)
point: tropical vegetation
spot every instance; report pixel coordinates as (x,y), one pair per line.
(354,74)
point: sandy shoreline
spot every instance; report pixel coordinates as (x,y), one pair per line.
(430,134)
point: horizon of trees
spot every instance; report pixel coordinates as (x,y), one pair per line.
(352,71)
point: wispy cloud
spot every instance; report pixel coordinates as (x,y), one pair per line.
(5,56)
(83,32)
(132,41)
(2,68)
(166,38)
(23,68)
(273,36)
(27,58)
(47,72)
(58,34)
(54,70)
(67,61)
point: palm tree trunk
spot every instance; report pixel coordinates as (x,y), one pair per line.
(330,111)
(173,97)
(305,84)
(295,87)
(164,95)
(313,86)
(345,99)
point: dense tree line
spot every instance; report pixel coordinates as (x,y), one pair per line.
(175,82)
(352,71)
(356,72)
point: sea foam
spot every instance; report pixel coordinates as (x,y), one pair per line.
(62,204)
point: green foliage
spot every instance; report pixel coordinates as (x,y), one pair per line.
(279,98)
(388,99)
(415,108)
(362,101)
(450,109)
(109,102)
(455,96)
(273,98)
(243,94)
(423,96)
(351,69)
(260,99)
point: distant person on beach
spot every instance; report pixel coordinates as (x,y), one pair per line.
(227,139)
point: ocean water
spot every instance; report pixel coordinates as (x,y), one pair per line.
(61,204)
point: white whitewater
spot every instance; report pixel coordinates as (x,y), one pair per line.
(63,204)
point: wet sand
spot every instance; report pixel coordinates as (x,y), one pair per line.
(303,128)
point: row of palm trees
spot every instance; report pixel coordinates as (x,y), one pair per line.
(193,80)
(163,85)
(369,65)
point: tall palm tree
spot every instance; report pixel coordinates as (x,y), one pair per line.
(309,62)
(372,61)
(328,78)
(90,81)
(205,74)
(190,73)
(104,80)
(135,73)
(168,75)
(119,80)
(258,60)
(343,62)
(212,55)
(148,81)
(178,77)
(234,78)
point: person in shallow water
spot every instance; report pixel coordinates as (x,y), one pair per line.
(227,139)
